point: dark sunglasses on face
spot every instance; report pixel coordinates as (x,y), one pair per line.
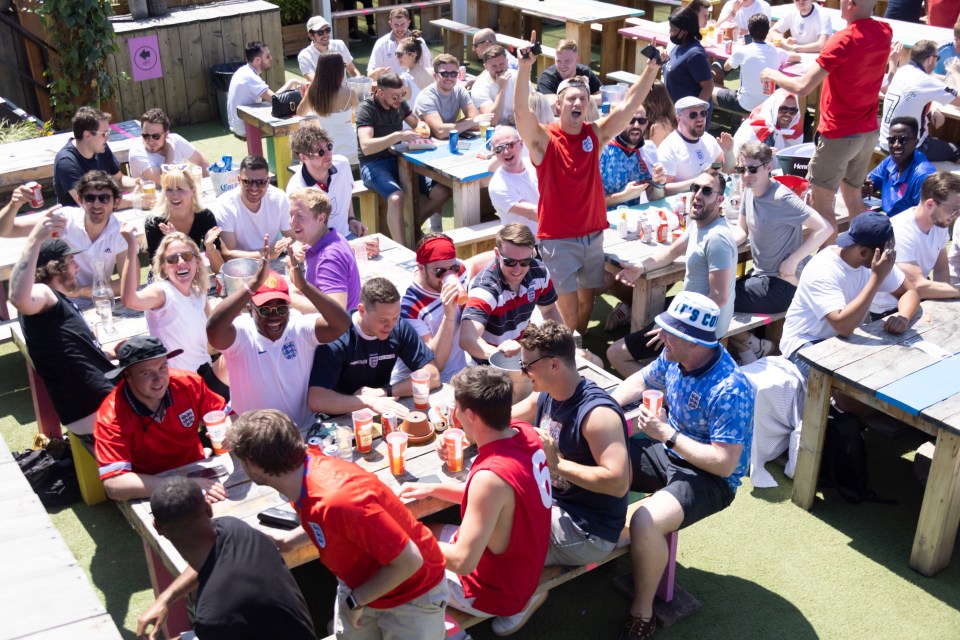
(525,368)
(639,121)
(706,191)
(448,74)
(693,115)
(152,136)
(322,31)
(789,111)
(174,258)
(440,271)
(743,168)
(506,146)
(899,139)
(511,262)
(257,182)
(265,312)
(321,151)
(104,198)
(400,54)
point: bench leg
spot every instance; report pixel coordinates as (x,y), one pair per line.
(178,621)
(283,158)
(453,44)
(88,473)
(812,434)
(668,581)
(940,511)
(48,421)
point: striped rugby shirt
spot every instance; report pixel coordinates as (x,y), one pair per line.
(503,313)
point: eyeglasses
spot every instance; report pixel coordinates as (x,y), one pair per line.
(281,311)
(254,182)
(393,97)
(639,121)
(506,146)
(439,271)
(104,198)
(789,111)
(899,139)
(693,115)
(400,54)
(525,368)
(322,31)
(319,153)
(174,258)
(477,44)
(743,168)
(105,134)
(448,74)
(512,262)
(706,191)
(152,136)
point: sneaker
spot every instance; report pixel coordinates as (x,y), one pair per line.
(355,36)
(436,223)
(619,317)
(637,628)
(506,625)
(371,32)
(766,346)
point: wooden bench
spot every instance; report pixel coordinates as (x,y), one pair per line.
(427,10)
(475,239)
(453,42)
(743,321)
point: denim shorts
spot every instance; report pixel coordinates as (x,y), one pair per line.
(383,176)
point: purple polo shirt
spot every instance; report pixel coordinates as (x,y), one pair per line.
(332,268)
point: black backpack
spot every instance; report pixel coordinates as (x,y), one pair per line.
(51,474)
(844,462)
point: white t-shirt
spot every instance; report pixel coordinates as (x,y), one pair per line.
(485,90)
(913,245)
(339,190)
(508,189)
(384,54)
(181,323)
(307,58)
(743,16)
(108,246)
(246,87)
(273,375)
(828,284)
(752,59)
(805,30)
(233,216)
(685,160)
(910,93)
(140,159)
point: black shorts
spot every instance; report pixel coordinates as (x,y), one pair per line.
(699,493)
(636,343)
(763,294)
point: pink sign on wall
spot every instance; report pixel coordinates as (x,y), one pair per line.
(145,58)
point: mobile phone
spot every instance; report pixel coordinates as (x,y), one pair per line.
(208,472)
(747,39)
(279,518)
(651,52)
(536,49)
(469,135)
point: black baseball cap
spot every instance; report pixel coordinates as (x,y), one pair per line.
(54,249)
(137,349)
(869,229)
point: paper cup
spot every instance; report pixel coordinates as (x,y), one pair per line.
(653,401)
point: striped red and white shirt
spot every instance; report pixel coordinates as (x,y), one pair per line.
(503,313)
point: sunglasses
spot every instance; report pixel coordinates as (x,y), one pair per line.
(899,139)
(506,146)
(706,191)
(281,311)
(254,182)
(321,151)
(104,198)
(174,258)
(448,74)
(400,54)
(439,271)
(525,368)
(322,31)
(693,115)
(105,134)
(151,136)
(639,121)
(743,168)
(477,44)
(511,262)
(789,111)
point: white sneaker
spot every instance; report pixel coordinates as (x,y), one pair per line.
(436,223)
(764,347)
(507,625)
(619,317)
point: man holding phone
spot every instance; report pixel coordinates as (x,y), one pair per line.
(629,167)
(572,213)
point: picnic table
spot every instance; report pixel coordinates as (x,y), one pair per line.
(33,159)
(260,123)
(578,15)
(911,377)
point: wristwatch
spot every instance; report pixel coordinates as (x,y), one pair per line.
(352,603)
(672,440)
(388,391)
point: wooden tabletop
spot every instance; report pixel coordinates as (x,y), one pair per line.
(260,116)
(907,33)
(576,11)
(463,166)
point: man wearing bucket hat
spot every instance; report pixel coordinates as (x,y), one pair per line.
(839,284)
(691,461)
(270,352)
(150,422)
(319,32)
(773,218)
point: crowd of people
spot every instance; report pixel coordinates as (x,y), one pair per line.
(550,482)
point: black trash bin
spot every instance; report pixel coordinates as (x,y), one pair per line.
(222,74)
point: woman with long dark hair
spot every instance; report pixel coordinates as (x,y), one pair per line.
(332,99)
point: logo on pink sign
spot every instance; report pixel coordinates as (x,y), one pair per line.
(145,58)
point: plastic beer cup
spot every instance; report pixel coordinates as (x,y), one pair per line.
(396,447)
(421,389)
(653,401)
(217,423)
(344,435)
(453,446)
(363,430)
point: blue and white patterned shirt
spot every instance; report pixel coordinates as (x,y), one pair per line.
(712,404)
(618,168)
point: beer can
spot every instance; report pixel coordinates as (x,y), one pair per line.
(331,450)
(489,132)
(227,162)
(462,73)
(36,194)
(388,422)
(768,87)
(604,108)
(663,232)
(728,47)
(454,139)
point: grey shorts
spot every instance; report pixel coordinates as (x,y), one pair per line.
(571,546)
(574,263)
(842,159)
(728,99)
(421,618)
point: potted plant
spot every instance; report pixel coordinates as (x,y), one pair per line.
(293,20)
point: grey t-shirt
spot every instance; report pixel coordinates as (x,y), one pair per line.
(711,249)
(432,101)
(775,222)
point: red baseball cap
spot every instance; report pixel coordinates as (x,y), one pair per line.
(273,288)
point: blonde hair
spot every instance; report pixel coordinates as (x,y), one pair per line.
(176,179)
(201,278)
(568,45)
(313,199)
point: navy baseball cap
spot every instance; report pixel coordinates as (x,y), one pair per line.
(693,317)
(870,229)
(54,249)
